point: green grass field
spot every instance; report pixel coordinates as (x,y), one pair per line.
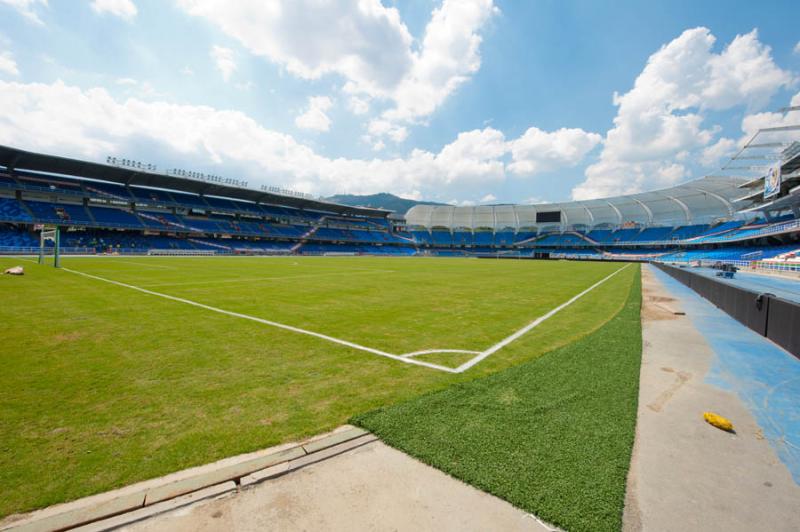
(103,385)
(553,436)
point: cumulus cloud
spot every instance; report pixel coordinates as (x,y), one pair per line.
(384,128)
(796,49)
(660,121)
(450,54)
(713,156)
(27,8)
(358,106)
(224,61)
(753,122)
(364,42)
(8,65)
(91,123)
(124,9)
(538,151)
(314,117)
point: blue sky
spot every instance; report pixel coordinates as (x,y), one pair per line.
(468,101)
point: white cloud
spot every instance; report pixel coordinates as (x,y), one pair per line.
(378,146)
(659,123)
(91,123)
(488,198)
(124,9)
(315,118)
(713,156)
(134,87)
(533,200)
(383,128)
(187,71)
(538,151)
(753,122)
(450,54)
(474,157)
(224,61)
(27,8)
(743,72)
(363,41)
(368,45)
(8,65)
(796,49)
(358,106)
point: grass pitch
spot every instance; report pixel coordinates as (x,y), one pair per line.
(552,436)
(103,385)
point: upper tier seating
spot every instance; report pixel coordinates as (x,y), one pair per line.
(600,235)
(11,210)
(115,217)
(653,234)
(483,238)
(504,238)
(422,237)
(625,235)
(688,231)
(190,200)
(16,238)
(150,195)
(50,184)
(556,239)
(719,229)
(62,213)
(442,238)
(108,190)
(462,238)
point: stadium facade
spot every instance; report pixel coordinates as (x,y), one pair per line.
(747,213)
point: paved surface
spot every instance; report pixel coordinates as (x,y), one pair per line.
(784,287)
(686,474)
(373,487)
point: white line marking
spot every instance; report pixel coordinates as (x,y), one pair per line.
(407,357)
(505,341)
(22,258)
(268,322)
(146,265)
(431,351)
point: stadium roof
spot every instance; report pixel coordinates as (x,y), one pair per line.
(16,159)
(699,201)
(702,200)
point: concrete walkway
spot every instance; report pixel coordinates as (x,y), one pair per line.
(686,474)
(372,487)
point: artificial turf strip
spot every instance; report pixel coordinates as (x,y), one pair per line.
(553,436)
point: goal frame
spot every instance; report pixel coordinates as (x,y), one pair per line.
(53,233)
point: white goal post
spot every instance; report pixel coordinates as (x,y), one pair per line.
(53,234)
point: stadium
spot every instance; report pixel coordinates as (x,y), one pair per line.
(185,351)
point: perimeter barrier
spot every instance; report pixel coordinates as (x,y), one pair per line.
(767,314)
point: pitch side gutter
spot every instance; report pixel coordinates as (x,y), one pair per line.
(407,358)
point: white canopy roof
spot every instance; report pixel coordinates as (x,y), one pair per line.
(699,201)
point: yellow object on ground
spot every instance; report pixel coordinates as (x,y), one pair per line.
(718,421)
